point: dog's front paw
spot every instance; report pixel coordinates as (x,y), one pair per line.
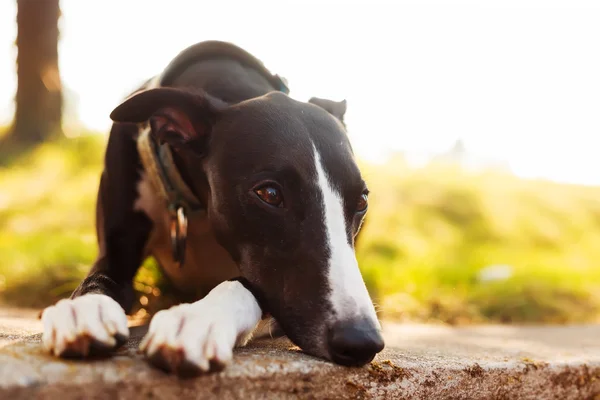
(188,339)
(92,324)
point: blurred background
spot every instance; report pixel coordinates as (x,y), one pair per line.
(476,124)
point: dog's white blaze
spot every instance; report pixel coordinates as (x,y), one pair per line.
(349,295)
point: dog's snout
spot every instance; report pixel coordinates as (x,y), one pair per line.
(354,343)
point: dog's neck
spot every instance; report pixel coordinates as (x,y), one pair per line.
(198,184)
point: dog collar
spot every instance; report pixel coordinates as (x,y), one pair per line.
(283,86)
(170,186)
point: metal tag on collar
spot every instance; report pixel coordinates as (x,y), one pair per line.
(179,225)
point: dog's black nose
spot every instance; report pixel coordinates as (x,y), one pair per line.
(354,343)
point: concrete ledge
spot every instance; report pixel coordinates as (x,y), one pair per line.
(419,362)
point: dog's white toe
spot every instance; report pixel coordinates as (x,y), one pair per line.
(190,338)
(78,327)
(186,339)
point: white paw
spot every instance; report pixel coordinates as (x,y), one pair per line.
(190,338)
(84,325)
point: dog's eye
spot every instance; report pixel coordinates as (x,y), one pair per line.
(270,195)
(363,202)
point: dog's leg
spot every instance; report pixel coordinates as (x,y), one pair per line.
(94,319)
(189,338)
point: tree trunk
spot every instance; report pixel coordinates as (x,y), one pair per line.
(39,100)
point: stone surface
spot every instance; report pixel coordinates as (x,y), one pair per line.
(419,362)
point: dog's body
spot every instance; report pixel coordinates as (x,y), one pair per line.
(278,188)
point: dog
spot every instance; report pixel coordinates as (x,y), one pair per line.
(242,194)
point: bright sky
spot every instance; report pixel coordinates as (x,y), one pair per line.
(516,80)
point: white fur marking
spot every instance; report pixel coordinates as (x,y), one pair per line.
(147,200)
(96,316)
(208,329)
(349,295)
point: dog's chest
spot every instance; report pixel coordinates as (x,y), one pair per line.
(206,263)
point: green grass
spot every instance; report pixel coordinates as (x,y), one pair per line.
(431,231)
(47,203)
(429,234)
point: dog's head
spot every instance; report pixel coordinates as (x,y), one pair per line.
(286,198)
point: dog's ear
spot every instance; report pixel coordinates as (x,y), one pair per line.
(179,117)
(335,108)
